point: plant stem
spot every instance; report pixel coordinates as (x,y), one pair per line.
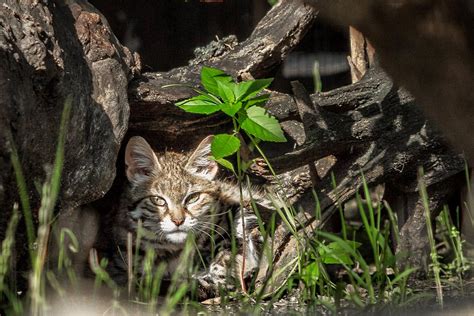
(244,237)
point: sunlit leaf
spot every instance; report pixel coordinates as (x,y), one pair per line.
(200,104)
(226,91)
(310,274)
(248,89)
(262,125)
(258,100)
(225,163)
(210,77)
(224,145)
(231,108)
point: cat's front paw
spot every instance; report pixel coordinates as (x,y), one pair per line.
(204,289)
(260,168)
(212,281)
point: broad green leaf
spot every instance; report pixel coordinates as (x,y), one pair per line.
(335,253)
(248,89)
(262,125)
(310,274)
(200,97)
(258,100)
(225,163)
(210,76)
(224,145)
(231,108)
(336,258)
(226,91)
(200,104)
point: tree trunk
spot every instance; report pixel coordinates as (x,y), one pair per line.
(51,51)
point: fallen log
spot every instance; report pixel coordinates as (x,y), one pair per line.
(50,52)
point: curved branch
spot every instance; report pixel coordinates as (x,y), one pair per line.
(275,36)
(151,106)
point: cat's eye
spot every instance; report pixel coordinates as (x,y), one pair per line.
(193,198)
(158,201)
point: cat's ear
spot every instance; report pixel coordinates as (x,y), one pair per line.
(200,162)
(140,159)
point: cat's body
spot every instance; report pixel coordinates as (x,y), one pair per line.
(173,195)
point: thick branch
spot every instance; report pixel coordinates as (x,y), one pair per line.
(152,109)
(273,39)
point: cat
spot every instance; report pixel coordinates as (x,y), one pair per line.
(172,195)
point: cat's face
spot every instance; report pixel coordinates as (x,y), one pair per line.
(172,194)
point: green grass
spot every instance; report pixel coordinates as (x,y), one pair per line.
(5,263)
(355,268)
(23,195)
(363,279)
(371,276)
(434,265)
(458,265)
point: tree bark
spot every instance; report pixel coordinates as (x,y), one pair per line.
(51,51)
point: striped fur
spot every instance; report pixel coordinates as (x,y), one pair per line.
(172,195)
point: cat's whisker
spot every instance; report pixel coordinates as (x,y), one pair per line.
(211,237)
(214,235)
(216,230)
(200,231)
(160,235)
(212,225)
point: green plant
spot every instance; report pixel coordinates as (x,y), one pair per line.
(5,261)
(365,279)
(23,195)
(435,264)
(451,238)
(49,196)
(242,102)
(318,84)
(37,242)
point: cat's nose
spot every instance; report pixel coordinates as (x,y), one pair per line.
(178,221)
